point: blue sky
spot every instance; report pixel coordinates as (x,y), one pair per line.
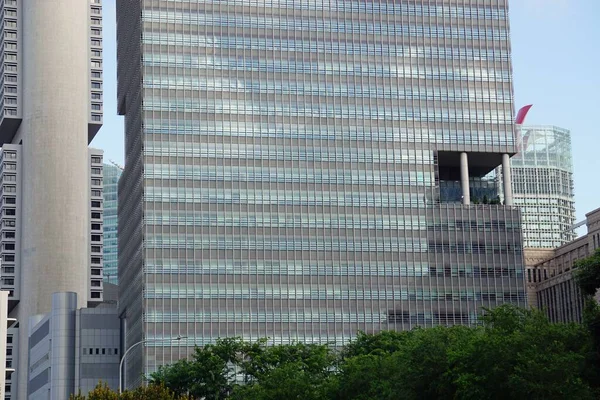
(556,60)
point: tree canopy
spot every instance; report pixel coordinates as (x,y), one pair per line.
(514,354)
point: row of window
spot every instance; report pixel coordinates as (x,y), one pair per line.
(287,175)
(338,111)
(359,7)
(235,242)
(285,65)
(153,291)
(274,45)
(100,351)
(320,26)
(342,131)
(266,220)
(282,197)
(324,268)
(325,89)
(355,70)
(290,243)
(289,153)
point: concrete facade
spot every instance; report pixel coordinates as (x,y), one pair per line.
(304,170)
(51,106)
(71,349)
(551,280)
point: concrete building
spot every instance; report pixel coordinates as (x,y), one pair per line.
(552,281)
(50,109)
(71,349)
(303,170)
(112,173)
(12,216)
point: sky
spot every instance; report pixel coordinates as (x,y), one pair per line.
(556,60)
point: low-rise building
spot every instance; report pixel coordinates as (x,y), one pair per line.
(551,281)
(71,349)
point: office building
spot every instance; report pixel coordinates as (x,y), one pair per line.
(71,349)
(542,175)
(112,173)
(303,170)
(50,109)
(551,280)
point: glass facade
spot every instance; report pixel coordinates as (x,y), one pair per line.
(283,169)
(111,177)
(543,186)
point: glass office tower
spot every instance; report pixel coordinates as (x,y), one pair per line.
(112,173)
(543,186)
(285,161)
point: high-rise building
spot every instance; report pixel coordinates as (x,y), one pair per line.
(303,170)
(542,175)
(50,109)
(112,173)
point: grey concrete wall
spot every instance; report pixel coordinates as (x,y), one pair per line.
(54,132)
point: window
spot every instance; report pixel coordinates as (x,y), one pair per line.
(9,257)
(116,351)
(96,249)
(97,182)
(95,271)
(96,171)
(96,107)
(97,350)
(96,193)
(9,352)
(96,260)
(96,238)
(96,85)
(9,235)
(96,96)
(96,227)
(9,246)
(96,283)
(95,295)
(10,211)
(103,351)
(9,339)
(96,215)
(10,200)
(96,204)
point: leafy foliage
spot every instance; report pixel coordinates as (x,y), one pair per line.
(152,392)
(514,354)
(587,273)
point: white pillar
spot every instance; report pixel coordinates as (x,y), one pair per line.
(464,178)
(507,180)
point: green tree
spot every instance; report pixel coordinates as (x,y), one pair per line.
(151,392)
(514,353)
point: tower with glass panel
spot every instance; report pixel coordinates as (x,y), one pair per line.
(112,173)
(303,170)
(543,186)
